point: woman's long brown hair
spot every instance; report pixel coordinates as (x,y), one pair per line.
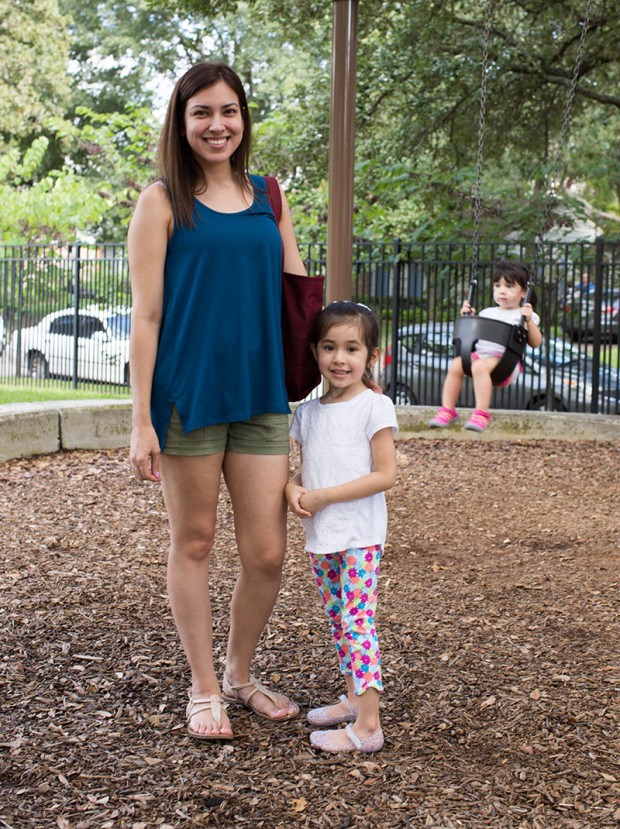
(180,172)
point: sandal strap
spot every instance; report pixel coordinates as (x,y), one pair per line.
(353,736)
(344,699)
(213,703)
(255,685)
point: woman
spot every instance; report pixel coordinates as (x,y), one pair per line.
(205,257)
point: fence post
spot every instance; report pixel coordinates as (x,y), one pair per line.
(599,248)
(18,278)
(395,317)
(76,315)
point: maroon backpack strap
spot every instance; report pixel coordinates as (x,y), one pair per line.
(275,197)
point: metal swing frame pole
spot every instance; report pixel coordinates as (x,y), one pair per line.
(342,152)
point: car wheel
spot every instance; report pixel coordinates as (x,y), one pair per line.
(404,396)
(539,404)
(38,367)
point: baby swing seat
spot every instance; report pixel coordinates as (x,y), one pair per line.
(469,329)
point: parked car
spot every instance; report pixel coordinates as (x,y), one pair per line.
(100,341)
(556,376)
(580,316)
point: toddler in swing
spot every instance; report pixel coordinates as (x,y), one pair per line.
(510,281)
(348,461)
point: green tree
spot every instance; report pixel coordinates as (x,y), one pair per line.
(34,81)
(93,199)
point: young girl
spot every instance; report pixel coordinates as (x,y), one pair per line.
(510,280)
(348,462)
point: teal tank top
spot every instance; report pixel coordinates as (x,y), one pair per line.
(219,356)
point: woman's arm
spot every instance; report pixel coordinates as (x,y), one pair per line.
(292,263)
(147,242)
(382,478)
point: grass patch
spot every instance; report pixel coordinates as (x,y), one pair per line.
(10,393)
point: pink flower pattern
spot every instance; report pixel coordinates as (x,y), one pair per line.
(347,584)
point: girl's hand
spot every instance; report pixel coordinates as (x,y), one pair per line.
(527,311)
(314,500)
(144,454)
(466,309)
(294,493)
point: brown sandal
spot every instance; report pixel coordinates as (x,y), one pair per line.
(255,685)
(212,703)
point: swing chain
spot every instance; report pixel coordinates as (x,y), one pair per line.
(538,245)
(479,160)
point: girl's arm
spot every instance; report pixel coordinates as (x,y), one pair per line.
(534,336)
(293,492)
(381,479)
(292,262)
(147,241)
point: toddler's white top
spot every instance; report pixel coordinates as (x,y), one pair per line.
(335,441)
(487,348)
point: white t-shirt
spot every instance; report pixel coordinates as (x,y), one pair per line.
(335,441)
(487,348)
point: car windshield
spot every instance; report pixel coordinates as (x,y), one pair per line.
(118,324)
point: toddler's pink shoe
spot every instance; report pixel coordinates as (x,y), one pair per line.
(443,417)
(478,421)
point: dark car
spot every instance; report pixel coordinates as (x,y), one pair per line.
(557,376)
(581,316)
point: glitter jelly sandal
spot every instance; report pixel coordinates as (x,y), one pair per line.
(320,716)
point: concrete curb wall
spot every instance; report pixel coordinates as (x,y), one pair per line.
(508,424)
(28,429)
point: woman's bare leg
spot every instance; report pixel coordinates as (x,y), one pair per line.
(191,487)
(256,486)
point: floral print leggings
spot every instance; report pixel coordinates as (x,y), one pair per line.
(347,583)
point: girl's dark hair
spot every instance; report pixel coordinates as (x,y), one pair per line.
(343,311)
(515,273)
(180,171)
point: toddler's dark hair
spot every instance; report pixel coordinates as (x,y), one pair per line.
(342,311)
(515,273)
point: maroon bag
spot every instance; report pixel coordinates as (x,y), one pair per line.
(302,302)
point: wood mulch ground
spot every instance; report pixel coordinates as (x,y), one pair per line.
(499,623)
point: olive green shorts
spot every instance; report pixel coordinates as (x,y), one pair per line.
(263,434)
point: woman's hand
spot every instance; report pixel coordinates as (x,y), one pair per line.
(144,454)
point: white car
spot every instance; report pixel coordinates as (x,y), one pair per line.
(94,345)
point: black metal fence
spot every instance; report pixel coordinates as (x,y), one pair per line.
(64,317)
